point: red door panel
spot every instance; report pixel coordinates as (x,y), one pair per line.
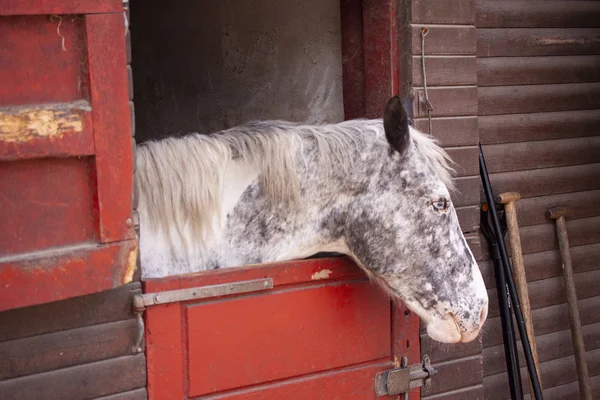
(323,331)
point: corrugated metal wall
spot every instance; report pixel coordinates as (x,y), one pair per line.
(538,77)
(522,77)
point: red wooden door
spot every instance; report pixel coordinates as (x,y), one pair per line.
(322,332)
(66,167)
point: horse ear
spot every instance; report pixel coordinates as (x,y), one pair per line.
(395,123)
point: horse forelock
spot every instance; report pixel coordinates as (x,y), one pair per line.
(180,180)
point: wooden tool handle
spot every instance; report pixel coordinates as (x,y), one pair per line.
(556,212)
(505,198)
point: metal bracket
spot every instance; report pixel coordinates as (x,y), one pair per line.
(141,301)
(401,380)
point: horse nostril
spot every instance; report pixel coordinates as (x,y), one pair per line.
(483,314)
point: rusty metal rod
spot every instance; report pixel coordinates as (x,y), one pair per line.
(558,215)
(508,199)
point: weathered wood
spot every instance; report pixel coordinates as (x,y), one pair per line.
(47,7)
(537,42)
(80,382)
(538,14)
(467,393)
(496,100)
(555,372)
(466,159)
(542,154)
(546,320)
(569,390)
(551,291)
(538,126)
(447,101)
(468,217)
(56,130)
(443,12)
(452,131)
(538,238)
(547,181)
(496,71)
(98,308)
(445,71)
(73,271)
(548,264)
(439,353)
(460,40)
(474,241)
(551,346)
(66,348)
(138,394)
(456,374)
(468,191)
(580,205)
(112,132)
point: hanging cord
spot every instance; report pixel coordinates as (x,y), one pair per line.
(428,106)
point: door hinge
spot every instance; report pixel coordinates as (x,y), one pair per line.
(401,380)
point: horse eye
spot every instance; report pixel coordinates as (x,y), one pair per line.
(440,205)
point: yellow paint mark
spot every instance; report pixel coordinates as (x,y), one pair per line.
(396,362)
(131,265)
(22,124)
(322,274)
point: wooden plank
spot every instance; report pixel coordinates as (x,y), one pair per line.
(98,308)
(546,320)
(346,384)
(57,130)
(353,59)
(66,348)
(547,181)
(537,42)
(548,264)
(439,353)
(466,160)
(24,41)
(554,373)
(310,318)
(570,390)
(72,271)
(42,197)
(452,131)
(138,394)
(496,100)
(474,243)
(551,291)
(405,340)
(447,101)
(468,191)
(44,7)
(112,133)
(496,71)
(550,346)
(456,374)
(445,71)
(538,238)
(380,35)
(459,40)
(542,154)
(443,12)
(538,14)
(80,382)
(468,217)
(468,393)
(538,126)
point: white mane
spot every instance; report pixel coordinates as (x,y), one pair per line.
(180,180)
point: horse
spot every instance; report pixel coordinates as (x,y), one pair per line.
(375,190)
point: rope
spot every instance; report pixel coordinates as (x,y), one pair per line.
(428,106)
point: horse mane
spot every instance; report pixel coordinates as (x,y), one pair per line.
(180,179)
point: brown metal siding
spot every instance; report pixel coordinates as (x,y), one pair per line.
(538,79)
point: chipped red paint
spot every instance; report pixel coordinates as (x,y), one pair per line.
(49,7)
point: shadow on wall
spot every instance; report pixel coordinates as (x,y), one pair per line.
(209,65)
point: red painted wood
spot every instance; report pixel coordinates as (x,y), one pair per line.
(346,384)
(46,203)
(110,110)
(282,273)
(53,275)
(381,54)
(406,339)
(65,144)
(34,68)
(353,59)
(43,7)
(285,334)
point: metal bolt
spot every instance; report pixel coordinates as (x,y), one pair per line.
(157,299)
(129,222)
(266,284)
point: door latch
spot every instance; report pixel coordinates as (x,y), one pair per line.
(401,380)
